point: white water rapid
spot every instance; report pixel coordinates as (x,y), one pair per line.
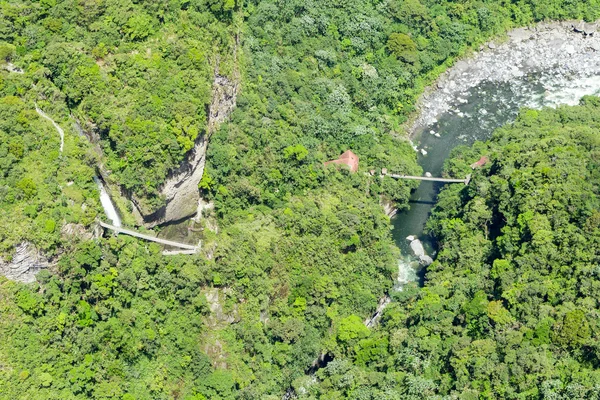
(547,65)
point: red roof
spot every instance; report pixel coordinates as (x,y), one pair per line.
(347,158)
(482,161)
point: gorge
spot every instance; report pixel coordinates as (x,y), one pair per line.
(546,65)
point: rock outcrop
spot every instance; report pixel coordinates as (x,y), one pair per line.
(12,68)
(419,251)
(25,264)
(374,319)
(388,207)
(588,29)
(181,187)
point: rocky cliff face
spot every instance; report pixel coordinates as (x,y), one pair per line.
(181,187)
(389,208)
(25,264)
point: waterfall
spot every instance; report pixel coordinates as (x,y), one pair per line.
(109,208)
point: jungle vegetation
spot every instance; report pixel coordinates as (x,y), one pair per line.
(303,252)
(510,306)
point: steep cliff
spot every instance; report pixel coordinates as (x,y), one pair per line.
(181,187)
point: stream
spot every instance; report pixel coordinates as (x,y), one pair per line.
(545,66)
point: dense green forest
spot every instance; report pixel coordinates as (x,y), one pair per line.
(41,189)
(510,306)
(303,252)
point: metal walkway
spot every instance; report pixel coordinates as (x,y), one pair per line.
(189,249)
(425,178)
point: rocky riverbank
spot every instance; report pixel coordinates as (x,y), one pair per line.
(561,47)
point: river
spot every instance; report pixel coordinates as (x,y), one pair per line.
(539,67)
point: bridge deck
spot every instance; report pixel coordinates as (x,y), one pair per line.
(148,237)
(425,178)
(176,252)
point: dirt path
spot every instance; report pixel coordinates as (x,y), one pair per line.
(58,128)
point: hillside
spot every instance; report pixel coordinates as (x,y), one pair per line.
(296,255)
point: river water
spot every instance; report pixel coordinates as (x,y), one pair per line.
(478,97)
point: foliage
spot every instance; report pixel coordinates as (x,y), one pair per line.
(303,252)
(138,74)
(116,321)
(509,306)
(41,190)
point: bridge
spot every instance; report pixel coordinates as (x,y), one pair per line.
(187,248)
(427,178)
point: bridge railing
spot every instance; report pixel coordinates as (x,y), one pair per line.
(432,179)
(188,248)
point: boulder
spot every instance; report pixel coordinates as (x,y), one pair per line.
(425,260)
(417,248)
(588,29)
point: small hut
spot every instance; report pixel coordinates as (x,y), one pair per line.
(347,158)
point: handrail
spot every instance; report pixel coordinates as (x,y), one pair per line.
(148,237)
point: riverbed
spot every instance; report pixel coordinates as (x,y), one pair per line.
(545,66)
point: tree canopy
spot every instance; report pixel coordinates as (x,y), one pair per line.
(301,253)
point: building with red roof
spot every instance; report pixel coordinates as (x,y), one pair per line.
(482,161)
(347,158)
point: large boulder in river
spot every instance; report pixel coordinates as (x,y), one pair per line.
(417,248)
(425,260)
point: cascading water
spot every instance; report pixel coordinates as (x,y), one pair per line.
(107,204)
(546,66)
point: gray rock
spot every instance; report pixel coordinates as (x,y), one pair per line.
(12,68)
(383,302)
(77,232)
(588,29)
(417,248)
(425,260)
(25,264)
(389,207)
